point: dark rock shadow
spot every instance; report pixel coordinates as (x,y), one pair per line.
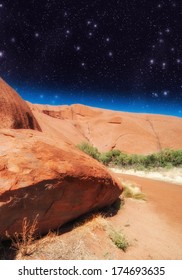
(108,211)
(113,209)
(6,250)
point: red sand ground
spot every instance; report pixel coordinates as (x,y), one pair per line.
(154,227)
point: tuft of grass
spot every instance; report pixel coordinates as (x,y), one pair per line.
(119,240)
(22,241)
(132,191)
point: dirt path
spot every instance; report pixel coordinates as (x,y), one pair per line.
(154,228)
(164,196)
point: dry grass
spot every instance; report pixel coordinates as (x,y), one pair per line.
(92,222)
(86,241)
(71,245)
(132,190)
(23,242)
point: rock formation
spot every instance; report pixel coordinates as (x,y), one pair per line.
(52,179)
(106,130)
(14,111)
(41,170)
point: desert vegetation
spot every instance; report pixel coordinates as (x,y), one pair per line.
(23,242)
(81,233)
(119,239)
(132,191)
(167,158)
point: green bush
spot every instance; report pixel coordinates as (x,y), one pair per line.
(166,158)
(105,158)
(89,150)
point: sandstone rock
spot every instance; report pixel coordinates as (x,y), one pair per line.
(106,130)
(14,111)
(39,175)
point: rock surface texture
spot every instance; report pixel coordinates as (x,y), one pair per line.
(106,130)
(14,111)
(48,178)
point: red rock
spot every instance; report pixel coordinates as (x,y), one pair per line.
(39,175)
(14,111)
(106,130)
(43,172)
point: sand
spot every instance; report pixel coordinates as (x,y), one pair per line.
(154,227)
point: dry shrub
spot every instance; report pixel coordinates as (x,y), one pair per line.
(22,242)
(132,190)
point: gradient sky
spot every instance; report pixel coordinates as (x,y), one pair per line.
(121,55)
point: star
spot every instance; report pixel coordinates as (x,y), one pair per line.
(13,40)
(78,48)
(94,47)
(167,30)
(154,94)
(164,65)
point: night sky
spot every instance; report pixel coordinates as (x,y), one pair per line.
(120,54)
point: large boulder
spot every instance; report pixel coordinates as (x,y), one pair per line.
(48,177)
(14,111)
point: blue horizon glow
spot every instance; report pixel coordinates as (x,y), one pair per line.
(107,101)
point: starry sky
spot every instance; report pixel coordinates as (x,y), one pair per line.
(121,55)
